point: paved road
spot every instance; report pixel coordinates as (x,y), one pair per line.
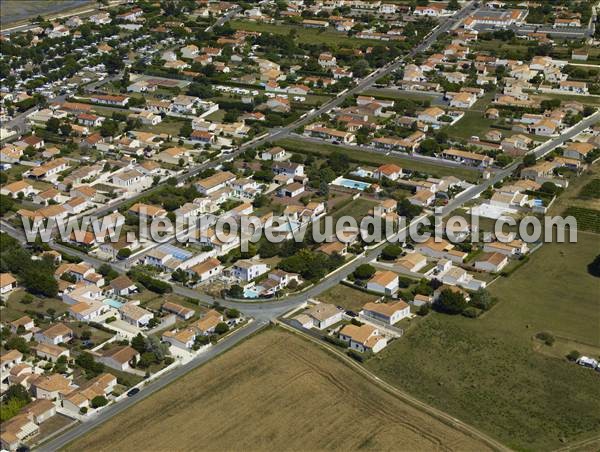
(223,19)
(112,410)
(553,143)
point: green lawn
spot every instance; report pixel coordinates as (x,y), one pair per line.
(372,158)
(168,125)
(15,172)
(473,123)
(594,101)
(486,371)
(304,35)
(347,297)
(391,93)
(15,308)
(356,209)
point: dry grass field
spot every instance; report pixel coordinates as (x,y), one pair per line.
(275,391)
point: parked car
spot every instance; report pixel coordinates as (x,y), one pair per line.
(133,392)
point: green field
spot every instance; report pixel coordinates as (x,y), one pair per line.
(15,308)
(275,391)
(395,93)
(586,100)
(372,158)
(347,297)
(591,190)
(473,123)
(356,209)
(304,35)
(587,219)
(486,372)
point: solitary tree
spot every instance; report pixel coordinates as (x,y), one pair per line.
(451,302)
(364,271)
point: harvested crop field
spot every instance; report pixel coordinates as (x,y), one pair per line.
(275,391)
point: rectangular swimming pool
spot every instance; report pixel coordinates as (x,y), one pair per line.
(349,183)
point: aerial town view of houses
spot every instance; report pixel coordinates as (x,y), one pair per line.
(481,115)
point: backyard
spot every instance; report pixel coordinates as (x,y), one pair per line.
(304,35)
(372,158)
(347,297)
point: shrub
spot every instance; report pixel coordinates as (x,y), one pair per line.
(593,267)
(232,313)
(423,310)
(546,337)
(360,357)
(364,271)
(335,341)
(221,328)
(27,299)
(99,401)
(451,302)
(391,252)
(482,300)
(124,253)
(573,355)
(471,312)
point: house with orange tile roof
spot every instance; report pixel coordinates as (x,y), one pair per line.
(384,282)
(363,339)
(7,283)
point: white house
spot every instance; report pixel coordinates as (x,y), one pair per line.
(119,357)
(247,269)
(207,269)
(514,248)
(491,262)
(324,315)
(215,182)
(389,313)
(364,338)
(7,283)
(385,282)
(55,334)
(135,315)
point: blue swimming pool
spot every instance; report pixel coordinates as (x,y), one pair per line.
(113,303)
(349,183)
(251,292)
